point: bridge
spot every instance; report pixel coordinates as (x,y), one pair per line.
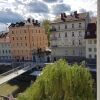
(22,69)
(17,71)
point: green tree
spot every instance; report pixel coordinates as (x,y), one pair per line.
(46,25)
(61,81)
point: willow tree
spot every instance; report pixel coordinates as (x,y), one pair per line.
(60,81)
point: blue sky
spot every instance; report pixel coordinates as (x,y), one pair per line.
(16,10)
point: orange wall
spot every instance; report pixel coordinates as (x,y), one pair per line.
(21,46)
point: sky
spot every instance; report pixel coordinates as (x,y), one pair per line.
(16,10)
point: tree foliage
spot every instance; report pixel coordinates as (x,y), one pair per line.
(61,81)
(46,25)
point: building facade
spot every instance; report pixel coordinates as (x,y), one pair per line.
(27,38)
(90,38)
(5,47)
(67,36)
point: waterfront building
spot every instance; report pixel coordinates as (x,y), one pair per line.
(27,38)
(5,47)
(67,36)
(91,42)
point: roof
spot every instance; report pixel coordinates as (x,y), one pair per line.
(91,31)
(27,22)
(72,17)
(93,19)
(4,37)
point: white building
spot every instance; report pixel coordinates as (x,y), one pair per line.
(67,36)
(5,48)
(90,38)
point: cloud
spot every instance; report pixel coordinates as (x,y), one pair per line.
(37,7)
(52,1)
(7,16)
(82,10)
(59,8)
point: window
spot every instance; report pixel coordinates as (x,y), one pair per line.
(90,56)
(73,52)
(59,35)
(65,26)
(26,44)
(80,25)
(3,51)
(89,41)
(79,42)
(59,27)
(72,34)
(95,56)
(73,42)
(95,41)
(95,50)
(17,38)
(66,34)
(24,31)
(6,51)
(79,33)
(17,44)
(72,25)
(20,38)
(12,32)
(13,38)
(25,37)
(9,51)
(90,49)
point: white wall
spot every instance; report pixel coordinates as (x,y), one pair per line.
(5,51)
(91,45)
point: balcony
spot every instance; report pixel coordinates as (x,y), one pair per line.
(53,30)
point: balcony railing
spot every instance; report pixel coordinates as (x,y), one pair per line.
(53,29)
(76,28)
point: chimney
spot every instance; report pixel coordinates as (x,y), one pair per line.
(29,20)
(76,15)
(33,20)
(62,17)
(65,15)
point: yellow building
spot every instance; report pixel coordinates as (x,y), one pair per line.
(27,37)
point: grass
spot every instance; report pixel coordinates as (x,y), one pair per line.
(7,88)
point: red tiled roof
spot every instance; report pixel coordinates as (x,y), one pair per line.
(72,17)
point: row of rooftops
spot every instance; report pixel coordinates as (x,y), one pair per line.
(29,21)
(89,34)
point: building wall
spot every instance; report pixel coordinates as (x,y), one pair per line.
(91,48)
(62,40)
(25,39)
(5,49)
